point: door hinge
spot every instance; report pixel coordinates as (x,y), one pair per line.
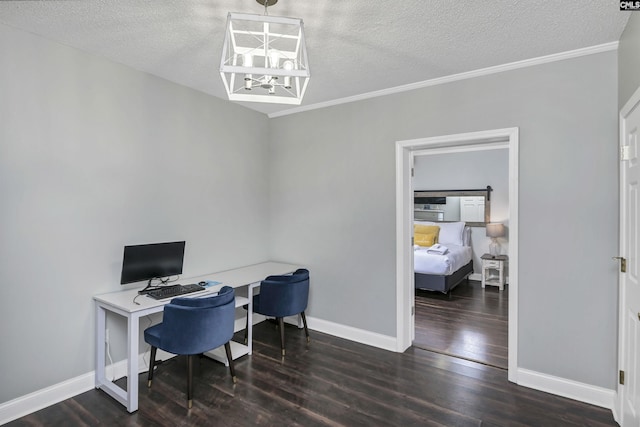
(412,172)
(623,263)
(413,310)
(624,152)
(621,379)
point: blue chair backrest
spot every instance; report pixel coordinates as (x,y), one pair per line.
(285,295)
(196,325)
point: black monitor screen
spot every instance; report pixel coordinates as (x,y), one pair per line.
(144,262)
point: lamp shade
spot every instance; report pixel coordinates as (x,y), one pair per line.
(495,230)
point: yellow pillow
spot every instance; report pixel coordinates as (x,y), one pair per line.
(425,235)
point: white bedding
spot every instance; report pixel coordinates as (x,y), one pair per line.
(427,263)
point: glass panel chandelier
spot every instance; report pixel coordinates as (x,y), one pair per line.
(264,58)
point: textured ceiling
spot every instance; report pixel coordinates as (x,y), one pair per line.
(354,46)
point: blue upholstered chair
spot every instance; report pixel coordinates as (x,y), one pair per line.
(282,296)
(191,326)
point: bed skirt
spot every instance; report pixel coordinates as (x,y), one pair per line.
(444,284)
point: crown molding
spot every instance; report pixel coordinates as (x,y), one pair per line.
(454,77)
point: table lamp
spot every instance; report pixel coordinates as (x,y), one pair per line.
(495,230)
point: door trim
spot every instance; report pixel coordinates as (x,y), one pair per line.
(509,138)
(625,111)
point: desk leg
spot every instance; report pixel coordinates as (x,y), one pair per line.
(101,319)
(250,316)
(128,398)
(133,325)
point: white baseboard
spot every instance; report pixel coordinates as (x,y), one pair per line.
(581,392)
(373,339)
(40,399)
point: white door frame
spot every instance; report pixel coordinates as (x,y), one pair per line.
(405,292)
(627,109)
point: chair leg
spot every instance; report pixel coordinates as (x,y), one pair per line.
(281,324)
(304,322)
(190,380)
(152,364)
(227,349)
(246,330)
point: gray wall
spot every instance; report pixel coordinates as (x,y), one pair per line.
(94,156)
(333,203)
(629,60)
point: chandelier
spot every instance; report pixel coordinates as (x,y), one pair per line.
(264,58)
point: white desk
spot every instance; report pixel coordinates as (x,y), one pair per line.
(122,303)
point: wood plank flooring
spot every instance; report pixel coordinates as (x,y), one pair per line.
(329,382)
(469,322)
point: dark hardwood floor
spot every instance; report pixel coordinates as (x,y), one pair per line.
(469,322)
(332,382)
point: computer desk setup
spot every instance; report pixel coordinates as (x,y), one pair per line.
(132,307)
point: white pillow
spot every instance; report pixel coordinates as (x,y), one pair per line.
(466,236)
(451,233)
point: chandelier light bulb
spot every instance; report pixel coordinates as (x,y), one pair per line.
(247,61)
(274,59)
(287,65)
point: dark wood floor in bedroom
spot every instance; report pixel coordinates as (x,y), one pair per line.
(329,382)
(469,322)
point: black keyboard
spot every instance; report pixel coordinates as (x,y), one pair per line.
(173,291)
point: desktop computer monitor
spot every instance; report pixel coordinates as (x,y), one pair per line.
(150,261)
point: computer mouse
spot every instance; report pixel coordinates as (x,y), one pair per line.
(202,283)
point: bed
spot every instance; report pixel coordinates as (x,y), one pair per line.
(443,272)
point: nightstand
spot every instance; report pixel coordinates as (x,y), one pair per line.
(493,269)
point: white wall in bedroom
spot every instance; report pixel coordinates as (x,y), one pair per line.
(467,171)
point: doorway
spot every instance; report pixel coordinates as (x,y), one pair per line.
(467,321)
(405,292)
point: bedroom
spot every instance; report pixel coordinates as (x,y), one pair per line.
(462,319)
